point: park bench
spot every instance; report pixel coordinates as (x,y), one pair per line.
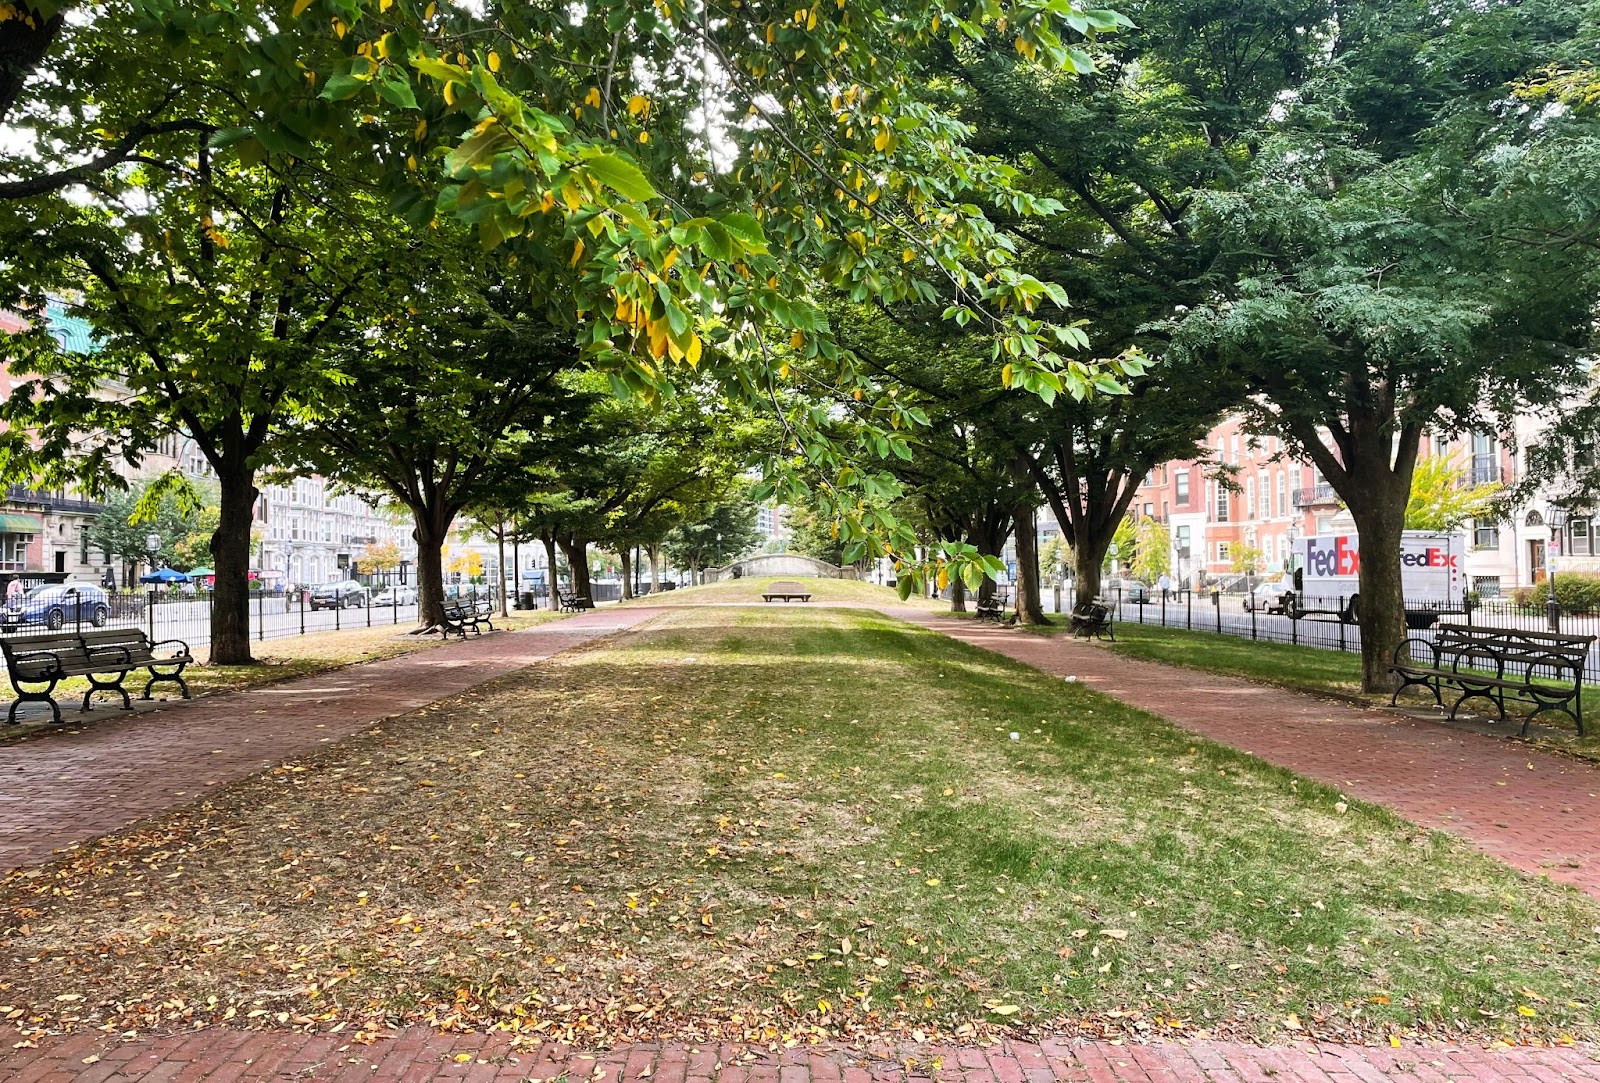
(573,603)
(787,591)
(1544,669)
(1091,619)
(991,608)
(105,657)
(460,617)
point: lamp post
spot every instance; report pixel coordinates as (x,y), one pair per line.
(1557,520)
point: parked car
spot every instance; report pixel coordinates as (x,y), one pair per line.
(343,595)
(1269,598)
(55,604)
(392,596)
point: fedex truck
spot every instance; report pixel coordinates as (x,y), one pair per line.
(1328,569)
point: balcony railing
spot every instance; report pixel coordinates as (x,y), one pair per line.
(1314,495)
(19,494)
(1487,473)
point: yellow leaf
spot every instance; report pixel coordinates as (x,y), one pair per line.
(577,252)
(428,12)
(450,93)
(494,60)
(385,5)
(1523,1009)
(1394,1040)
(422,129)
(692,354)
(1292,1021)
(823,1006)
(881,140)
(638,104)
(644,137)
(797,340)
(300,7)
(1005,375)
(1005,1009)
(592,99)
(811,20)
(462,1058)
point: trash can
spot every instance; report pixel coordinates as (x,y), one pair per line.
(526,600)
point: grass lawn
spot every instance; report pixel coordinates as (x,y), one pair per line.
(770,823)
(280,659)
(823,591)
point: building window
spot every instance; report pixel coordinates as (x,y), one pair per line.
(83,545)
(1181,540)
(1222,503)
(1183,486)
(1235,458)
(1283,493)
(1485,534)
(1149,511)
(1485,458)
(1578,537)
(1487,586)
(1222,551)
(1249,500)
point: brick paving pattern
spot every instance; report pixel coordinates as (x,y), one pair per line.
(1536,811)
(218,1055)
(64,787)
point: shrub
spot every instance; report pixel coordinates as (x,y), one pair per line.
(1576,592)
(1523,597)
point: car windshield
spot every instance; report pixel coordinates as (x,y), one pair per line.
(42,594)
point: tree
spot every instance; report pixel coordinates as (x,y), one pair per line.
(1378,286)
(722,532)
(1444,498)
(1244,560)
(1152,550)
(380,557)
(444,406)
(121,532)
(218,266)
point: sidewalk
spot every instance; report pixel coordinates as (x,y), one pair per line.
(1536,811)
(65,787)
(216,1055)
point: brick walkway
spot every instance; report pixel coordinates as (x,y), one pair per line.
(217,1055)
(64,787)
(1536,811)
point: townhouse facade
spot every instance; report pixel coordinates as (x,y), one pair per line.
(1271,498)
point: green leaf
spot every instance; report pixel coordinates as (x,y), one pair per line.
(747,229)
(903,586)
(396,89)
(621,176)
(343,87)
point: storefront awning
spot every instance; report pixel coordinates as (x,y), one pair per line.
(14,523)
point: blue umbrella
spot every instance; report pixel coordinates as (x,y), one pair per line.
(164,575)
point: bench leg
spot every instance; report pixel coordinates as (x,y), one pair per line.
(175,677)
(97,685)
(35,697)
(1430,683)
(1482,693)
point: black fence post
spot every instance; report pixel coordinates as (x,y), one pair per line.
(394,603)
(338,607)
(1216,604)
(150,614)
(261,615)
(1188,605)
(1294,622)
(1163,608)
(302,611)
(1342,622)
(1252,598)
(1552,613)
(366,604)
(1142,602)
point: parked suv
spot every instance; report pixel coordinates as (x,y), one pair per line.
(56,604)
(345,595)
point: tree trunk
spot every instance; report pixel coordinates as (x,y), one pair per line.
(625,554)
(430,537)
(1088,558)
(230,556)
(577,551)
(1381,610)
(23,45)
(1030,609)
(553,602)
(516,569)
(958,595)
(654,554)
(500,540)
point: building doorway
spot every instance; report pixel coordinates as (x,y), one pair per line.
(1537,568)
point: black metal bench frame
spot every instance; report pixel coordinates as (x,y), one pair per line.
(781,591)
(93,658)
(1475,660)
(1092,620)
(573,603)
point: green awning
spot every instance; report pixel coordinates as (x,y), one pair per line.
(13,523)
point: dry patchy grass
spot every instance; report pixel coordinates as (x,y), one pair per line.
(793,823)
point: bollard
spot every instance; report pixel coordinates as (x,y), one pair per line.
(302,611)
(1552,613)
(1056,592)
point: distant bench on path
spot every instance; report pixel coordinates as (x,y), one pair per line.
(787,591)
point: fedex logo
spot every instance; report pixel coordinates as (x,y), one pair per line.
(1337,556)
(1431,557)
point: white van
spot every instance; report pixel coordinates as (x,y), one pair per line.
(1432,576)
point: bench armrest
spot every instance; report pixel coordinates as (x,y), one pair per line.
(1406,648)
(165,642)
